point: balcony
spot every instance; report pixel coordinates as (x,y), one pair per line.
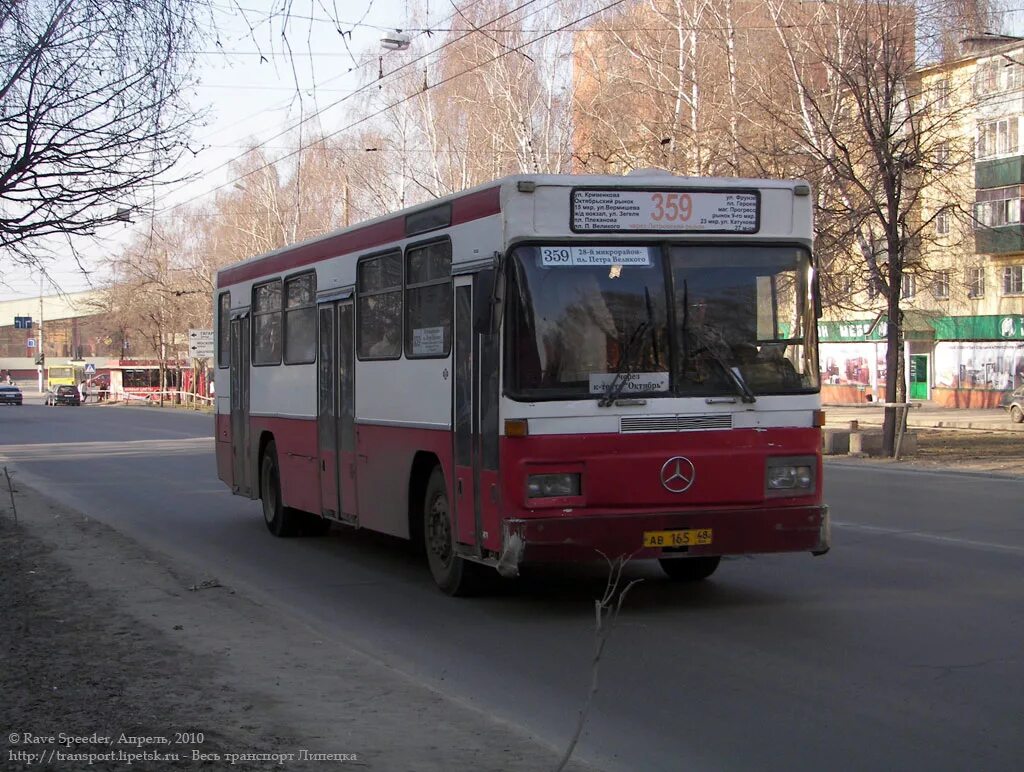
(999,173)
(1003,240)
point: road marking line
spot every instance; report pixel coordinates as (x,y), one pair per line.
(48,451)
(931,537)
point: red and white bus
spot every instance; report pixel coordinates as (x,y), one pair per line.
(542,368)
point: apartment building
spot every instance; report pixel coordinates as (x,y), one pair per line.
(964,308)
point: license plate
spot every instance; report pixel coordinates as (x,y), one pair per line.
(677,538)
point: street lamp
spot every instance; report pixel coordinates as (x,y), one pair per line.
(395,41)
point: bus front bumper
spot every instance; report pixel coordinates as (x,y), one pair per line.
(733,532)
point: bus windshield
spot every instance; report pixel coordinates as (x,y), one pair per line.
(686,320)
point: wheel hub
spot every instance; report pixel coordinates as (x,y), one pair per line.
(439,536)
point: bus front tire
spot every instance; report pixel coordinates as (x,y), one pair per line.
(453,574)
(689,569)
(281,520)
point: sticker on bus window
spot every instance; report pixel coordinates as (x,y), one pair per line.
(632,383)
(585,256)
(427,341)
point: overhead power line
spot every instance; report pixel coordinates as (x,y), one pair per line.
(366,87)
(393,105)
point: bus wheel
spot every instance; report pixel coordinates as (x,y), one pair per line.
(689,569)
(453,574)
(280,520)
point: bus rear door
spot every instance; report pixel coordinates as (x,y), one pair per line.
(241,446)
(336,412)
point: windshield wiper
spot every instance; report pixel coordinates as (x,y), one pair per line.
(625,367)
(733,373)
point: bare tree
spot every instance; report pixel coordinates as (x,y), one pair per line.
(945,23)
(93,111)
(882,148)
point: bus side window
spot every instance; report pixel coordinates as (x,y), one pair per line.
(428,300)
(300,319)
(379,287)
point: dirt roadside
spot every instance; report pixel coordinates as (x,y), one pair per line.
(960,450)
(103,640)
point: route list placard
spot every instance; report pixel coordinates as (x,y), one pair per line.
(610,211)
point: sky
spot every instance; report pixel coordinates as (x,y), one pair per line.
(251,99)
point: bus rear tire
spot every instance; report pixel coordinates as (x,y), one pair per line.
(281,520)
(689,569)
(453,574)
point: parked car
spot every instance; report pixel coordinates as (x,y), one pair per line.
(1014,403)
(63,395)
(10,395)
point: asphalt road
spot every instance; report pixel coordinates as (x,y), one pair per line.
(901,649)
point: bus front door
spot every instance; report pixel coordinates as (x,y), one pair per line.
(327,414)
(463,484)
(241,448)
(475,423)
(347,411)
(335,413)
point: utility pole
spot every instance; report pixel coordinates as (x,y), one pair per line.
(39,338)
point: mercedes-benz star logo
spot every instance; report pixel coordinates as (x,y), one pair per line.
(677,474)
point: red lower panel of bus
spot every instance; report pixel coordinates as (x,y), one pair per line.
(622,494)
(730,532)
(380,469)
(718,482)
(624,471)
(296,443)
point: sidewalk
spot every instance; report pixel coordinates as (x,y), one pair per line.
(151,665)
(925,417)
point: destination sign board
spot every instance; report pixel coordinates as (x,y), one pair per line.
(664,211)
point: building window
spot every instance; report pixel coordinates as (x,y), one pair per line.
(909,286)
(942,153)
(986,78)
(266,317)
(976,282)
(300,319)
(1013,280)
(428,300)
(998,206)
(1012,74)
(941,93)
(997,138)
(942,223)
(379,284)
(940,285)
(224,329)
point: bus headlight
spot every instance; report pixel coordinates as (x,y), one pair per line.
(790,474)
(540,486)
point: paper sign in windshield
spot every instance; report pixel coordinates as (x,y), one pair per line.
(631,383)
(610,211)
(427,341)
(583,256)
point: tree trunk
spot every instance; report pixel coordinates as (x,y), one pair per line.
(893,350)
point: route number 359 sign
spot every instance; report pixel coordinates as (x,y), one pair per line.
(611,211)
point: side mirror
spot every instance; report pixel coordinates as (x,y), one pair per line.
(818,312)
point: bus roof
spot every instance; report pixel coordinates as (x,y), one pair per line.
(467,205)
